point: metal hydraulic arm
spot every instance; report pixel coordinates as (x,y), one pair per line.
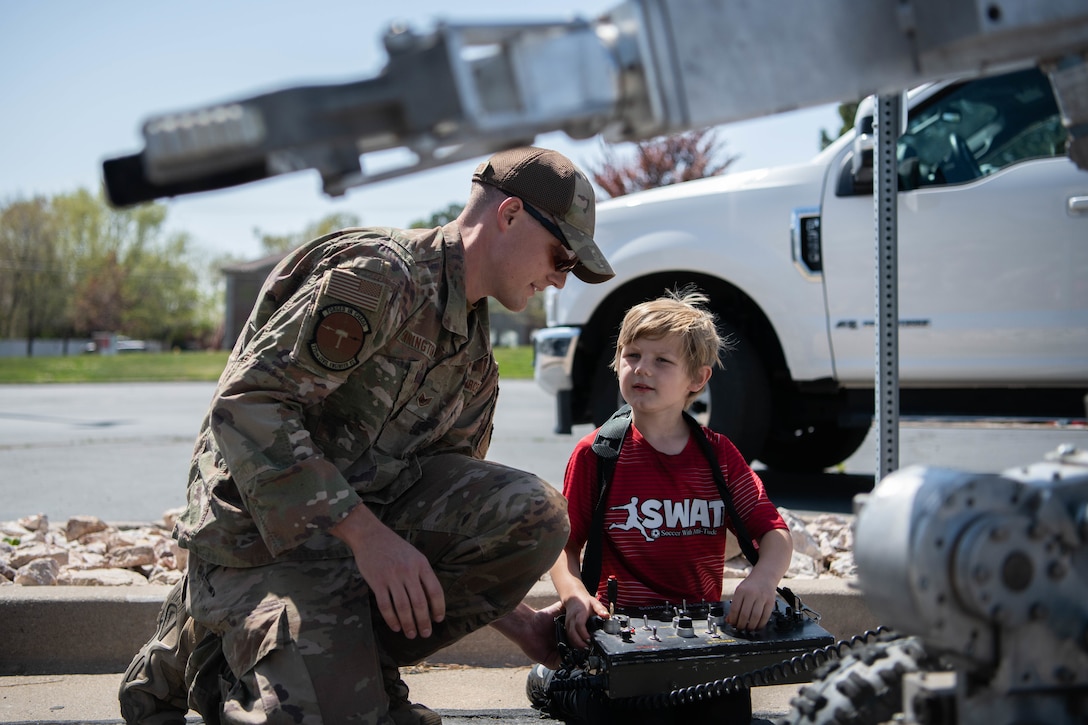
(645,68)
(448,95)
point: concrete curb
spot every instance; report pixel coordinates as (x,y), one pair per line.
(96,630)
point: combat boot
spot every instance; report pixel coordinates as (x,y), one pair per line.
(401,710)
(412,713)
(153,690)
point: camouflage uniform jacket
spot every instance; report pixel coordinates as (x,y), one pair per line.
(361,356)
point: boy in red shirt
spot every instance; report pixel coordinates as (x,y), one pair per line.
(664,519)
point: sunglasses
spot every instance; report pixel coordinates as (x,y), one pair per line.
(564,257)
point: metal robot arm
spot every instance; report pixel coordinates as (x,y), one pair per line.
(645,68)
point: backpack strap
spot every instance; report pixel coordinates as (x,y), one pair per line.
(606,445)
(743,538)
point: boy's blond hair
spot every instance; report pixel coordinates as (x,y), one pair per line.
(682,313)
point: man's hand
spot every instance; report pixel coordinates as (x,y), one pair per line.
(408,593)
(533,630)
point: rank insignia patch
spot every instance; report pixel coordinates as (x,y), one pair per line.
(338,337)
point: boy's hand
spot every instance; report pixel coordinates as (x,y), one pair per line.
(753,600)
(752,604)
(579,610)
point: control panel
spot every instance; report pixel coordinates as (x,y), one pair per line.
(653,650)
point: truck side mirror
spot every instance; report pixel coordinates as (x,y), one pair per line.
(856,174)
(863,147)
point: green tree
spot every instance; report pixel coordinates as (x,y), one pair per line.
(847,111)
(660,161)
(277,243)
(94,277)
(77,220)
(129,276)
(73,265)
(439,218)
(31,289)
(162,292)
(98,298)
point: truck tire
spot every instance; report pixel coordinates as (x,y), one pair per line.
(738,405)
(813,448)
(740,396)
(606,389)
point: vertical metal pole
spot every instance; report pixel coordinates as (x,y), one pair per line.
(886,207)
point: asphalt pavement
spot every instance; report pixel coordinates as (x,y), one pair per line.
(121,451)
(462,696)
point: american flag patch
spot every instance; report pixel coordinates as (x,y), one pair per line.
(365,293)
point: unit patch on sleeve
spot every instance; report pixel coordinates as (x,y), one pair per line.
(338,336)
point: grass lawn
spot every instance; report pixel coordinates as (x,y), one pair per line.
(516,362)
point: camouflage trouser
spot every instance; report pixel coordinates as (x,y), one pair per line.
(301,641)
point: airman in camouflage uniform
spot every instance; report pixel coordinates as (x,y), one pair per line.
(341,518)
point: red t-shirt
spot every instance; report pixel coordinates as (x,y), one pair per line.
(665,522)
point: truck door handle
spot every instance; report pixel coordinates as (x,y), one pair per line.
(1078,205)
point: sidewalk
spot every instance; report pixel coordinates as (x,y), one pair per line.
(64,649)
(462,695)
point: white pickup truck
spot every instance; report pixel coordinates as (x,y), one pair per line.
(993,279)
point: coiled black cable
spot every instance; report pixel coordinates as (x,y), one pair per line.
(573,684)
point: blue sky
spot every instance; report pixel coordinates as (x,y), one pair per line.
(77,79)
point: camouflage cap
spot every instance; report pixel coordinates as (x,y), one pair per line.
(550,182)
